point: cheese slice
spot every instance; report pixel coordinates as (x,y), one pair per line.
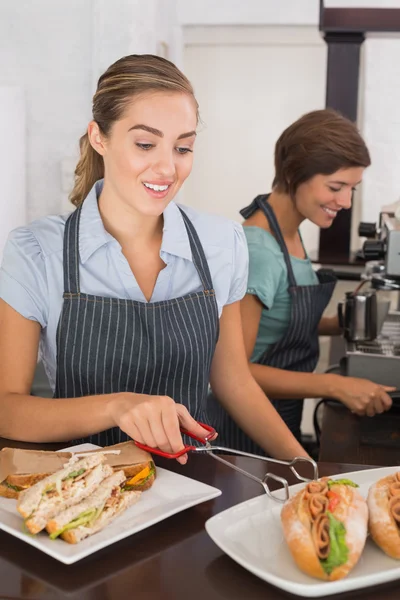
(139,476)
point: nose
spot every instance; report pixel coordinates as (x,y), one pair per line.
(164,165)
(345,198)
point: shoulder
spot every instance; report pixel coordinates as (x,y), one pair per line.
(44,236)
(259,241)
(215,230)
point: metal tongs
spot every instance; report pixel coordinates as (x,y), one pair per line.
(209,449)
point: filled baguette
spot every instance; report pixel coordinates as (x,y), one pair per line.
(384,514)
(325,526)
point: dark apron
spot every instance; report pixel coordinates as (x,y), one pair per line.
(297,350)
(109,345)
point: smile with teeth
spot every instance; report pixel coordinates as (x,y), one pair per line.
(156,188)
(329,211)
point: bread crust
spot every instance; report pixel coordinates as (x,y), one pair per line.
(6,492)
(296,521)
(382,526)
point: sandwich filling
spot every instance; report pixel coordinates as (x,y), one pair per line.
(328,533)
(394,498)
(140,478)
(16,488)
(88,518)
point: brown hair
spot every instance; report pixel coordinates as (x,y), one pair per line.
(319,143)
(128,77)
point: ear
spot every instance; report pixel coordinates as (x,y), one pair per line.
(96,138)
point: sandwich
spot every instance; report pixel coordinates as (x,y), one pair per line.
(20,469)
(94,512)
(384,514)
(137,464)
(68,486)
(325,526)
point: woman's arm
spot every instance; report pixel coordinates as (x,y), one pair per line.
(238,392)
(360,395)
(153,420)
(329,326)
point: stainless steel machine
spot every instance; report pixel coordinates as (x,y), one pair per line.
(371,319)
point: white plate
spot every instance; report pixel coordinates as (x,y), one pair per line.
(251,534)
(170,494)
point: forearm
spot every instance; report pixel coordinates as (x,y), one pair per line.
(253,412)
(278,383)
(329,326)
(41,420)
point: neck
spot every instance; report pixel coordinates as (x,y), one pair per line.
(125,223)
(288,216)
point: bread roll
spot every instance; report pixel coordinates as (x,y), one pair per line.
(325,527)
(384,514)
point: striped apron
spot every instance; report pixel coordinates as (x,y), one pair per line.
(109,345)
(297,350)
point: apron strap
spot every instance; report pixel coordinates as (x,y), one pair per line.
(262,203)
(199,258)
(249,210)
(71,253)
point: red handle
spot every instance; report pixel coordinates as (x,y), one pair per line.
(186,448)
(165,454)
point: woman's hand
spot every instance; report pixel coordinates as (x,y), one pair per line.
(361,396)
(154,421)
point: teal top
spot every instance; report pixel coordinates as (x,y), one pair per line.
(268,280)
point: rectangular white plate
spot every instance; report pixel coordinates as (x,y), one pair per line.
(170,494)
(251,534)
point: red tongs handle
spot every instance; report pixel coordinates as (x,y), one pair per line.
(186,448)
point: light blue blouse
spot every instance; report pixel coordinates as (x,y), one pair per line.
(31,276)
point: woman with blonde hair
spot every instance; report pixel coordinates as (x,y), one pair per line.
(132,299)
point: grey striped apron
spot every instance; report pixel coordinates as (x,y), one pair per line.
(109,345)
(297,350)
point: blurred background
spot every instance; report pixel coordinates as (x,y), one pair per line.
(256,66)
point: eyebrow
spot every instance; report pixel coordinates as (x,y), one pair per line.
(159,133)
(344,182)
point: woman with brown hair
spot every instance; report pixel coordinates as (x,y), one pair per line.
(319,160)
(132,299)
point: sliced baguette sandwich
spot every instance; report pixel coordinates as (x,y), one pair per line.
(384,514)
(325,527)
(68,486)
(94,513)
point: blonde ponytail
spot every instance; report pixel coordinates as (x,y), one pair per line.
(89,169)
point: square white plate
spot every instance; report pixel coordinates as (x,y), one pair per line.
(251,534)
(170,494)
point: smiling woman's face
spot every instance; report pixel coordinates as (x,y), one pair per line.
(321,198)
(149,151)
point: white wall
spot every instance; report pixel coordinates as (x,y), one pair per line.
(46,48)
(12,160)
(248,12)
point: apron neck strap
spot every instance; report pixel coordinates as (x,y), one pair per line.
(199,258)
(262,203)
(71,252)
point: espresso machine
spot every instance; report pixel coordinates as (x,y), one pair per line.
(371,317)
